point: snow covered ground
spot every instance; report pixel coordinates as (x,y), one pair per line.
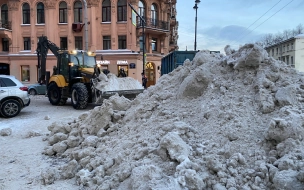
(21,158)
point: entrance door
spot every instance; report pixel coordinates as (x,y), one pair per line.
(4,69)
(150,73)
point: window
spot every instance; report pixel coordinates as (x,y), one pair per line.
(63,12)
(27,43)
(287,60)
(77,11)
(106,42)
(4,15)
(154,44)
(4,69)
(7,82)
(122,42)
(122,10)
(25,73)
(287,47)
(291,46)
(40,13)
(122,71)
(141,43)
(291,61)
(283,48)
(5,44)
(26,13)
(78,42)
(272,52)
(106,11)
(277,51)
(141,9)
(154,14)
(63,43)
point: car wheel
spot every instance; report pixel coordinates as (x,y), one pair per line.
(10,108)
(32,92)
(80,96)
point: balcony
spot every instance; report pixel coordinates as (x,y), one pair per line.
(154,26)
(4,24)
(173,21)
(173,46)
(77,27)
(5,29)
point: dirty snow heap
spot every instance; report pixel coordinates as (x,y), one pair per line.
(218,122)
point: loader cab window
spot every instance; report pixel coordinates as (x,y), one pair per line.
(89,61)
(64,66)
(82,59)
(77,59)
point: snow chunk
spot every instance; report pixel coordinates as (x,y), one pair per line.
(176,147)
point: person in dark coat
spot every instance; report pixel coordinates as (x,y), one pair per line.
(122,73)
(144,80)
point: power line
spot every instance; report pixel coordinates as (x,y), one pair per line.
(262,16)
(269,17)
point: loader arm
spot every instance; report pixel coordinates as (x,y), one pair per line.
(42,49)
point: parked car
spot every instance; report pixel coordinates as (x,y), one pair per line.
(37,89)
(13,96)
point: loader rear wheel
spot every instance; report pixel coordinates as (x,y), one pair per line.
(80,96)
(55,96)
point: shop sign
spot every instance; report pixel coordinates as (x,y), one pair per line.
(103,62)
(132,66)
(122,62)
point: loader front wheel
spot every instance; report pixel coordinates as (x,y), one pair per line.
(80,96)
(54,94)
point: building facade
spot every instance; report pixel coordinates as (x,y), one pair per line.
(290,51)
(107,27)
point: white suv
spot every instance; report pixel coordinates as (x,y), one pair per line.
(13,96)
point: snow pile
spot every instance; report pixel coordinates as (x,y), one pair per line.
(110,82)
(218,122)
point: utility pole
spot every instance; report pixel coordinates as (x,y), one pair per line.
(143,22)
(86,38)
(195,7)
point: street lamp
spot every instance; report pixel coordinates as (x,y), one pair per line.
(195,7)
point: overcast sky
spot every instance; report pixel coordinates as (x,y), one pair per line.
(234,22)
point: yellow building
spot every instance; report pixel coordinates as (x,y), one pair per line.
(102,26)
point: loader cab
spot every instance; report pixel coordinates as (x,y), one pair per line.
(83,59)
(63,65)
(84,64)
(71,63)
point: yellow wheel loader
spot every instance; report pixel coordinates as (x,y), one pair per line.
(73,77)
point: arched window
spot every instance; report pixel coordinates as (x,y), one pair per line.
(122,10)
(141,9)
(154,11)
(4,14)
(63,12)
(40,13)
(26,13)
(78,11)
(106,11)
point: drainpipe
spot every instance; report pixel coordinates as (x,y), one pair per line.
(86,38)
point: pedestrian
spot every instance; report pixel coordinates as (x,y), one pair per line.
(144,80)
(122,73)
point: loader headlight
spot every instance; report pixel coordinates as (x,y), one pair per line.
(74,52)
(98,65)
(71,64)
(89,53)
